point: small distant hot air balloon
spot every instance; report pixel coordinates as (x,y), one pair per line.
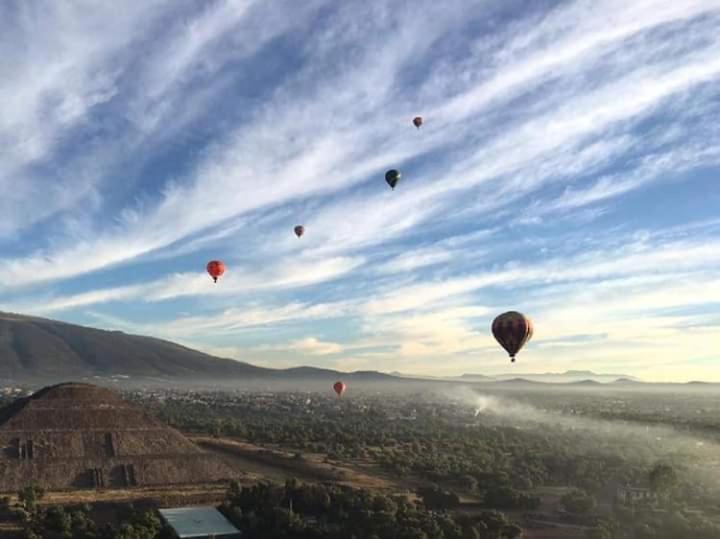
(392,177)
(299,231)
(512,330)
(417,121)
(215,268)
(339,388)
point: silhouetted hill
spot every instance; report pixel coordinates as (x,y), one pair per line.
(565,377)
(626,381)
(38,349)
(586,383)
(33,347)
(314,373)
(476,377)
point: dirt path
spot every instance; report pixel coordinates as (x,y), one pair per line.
(176,494)
(279,465)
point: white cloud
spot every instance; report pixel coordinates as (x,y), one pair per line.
(286,274)
(295,112)
(307,346)
(227,186)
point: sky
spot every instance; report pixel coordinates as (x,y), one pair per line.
(568,168)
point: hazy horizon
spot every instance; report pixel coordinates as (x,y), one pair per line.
(567,168)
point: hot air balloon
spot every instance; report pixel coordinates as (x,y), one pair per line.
(215,268)
(417,121)
(392,176)
(299,230)
(339,388)
(512,330)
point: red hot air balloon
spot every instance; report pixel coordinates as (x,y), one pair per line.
(299,231)
(417,121)
(512,330)
(215,268)
(339,388)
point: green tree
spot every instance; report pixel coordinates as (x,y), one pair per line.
(140,525)
(663,479)
(469,483)
(30,497)
(58,521)
(599,532)
(578,502)
(513,531)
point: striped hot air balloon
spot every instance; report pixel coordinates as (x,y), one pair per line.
(512,330)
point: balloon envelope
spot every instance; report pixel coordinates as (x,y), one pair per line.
(418,121)
(392,177)
(512,330)
(339,388)
(215,268)
(299,230)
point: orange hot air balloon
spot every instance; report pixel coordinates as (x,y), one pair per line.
(512,330)
(215,268)
(417,121)
(339,388)
(299,231)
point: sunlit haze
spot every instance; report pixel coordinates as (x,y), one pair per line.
(568,168)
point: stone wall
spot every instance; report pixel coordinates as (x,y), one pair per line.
(113,473)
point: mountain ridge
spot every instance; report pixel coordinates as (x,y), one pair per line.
(35,348)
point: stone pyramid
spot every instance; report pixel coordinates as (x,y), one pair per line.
(77,435)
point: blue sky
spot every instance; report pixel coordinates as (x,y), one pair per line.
(568,168)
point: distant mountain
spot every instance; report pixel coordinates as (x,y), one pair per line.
(518,381)
(38,349)
(566,377)
(626,381)
(477,377)
(586,383)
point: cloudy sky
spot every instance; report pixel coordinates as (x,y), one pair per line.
(568,168)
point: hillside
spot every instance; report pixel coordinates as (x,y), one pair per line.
(567,377)
(37,348)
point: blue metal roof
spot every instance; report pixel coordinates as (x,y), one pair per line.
(198,522)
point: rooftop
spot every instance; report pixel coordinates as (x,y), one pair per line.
(199,522)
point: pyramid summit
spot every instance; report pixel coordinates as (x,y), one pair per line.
(76,435)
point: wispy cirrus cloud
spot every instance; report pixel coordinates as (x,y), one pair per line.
(556,140)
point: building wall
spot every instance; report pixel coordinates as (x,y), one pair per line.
(113,473)
(100,443)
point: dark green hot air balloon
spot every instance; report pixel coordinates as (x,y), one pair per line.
(392,177)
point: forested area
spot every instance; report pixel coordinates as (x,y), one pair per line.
(303,511)
(470,471)
(505,464)
(438,442)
